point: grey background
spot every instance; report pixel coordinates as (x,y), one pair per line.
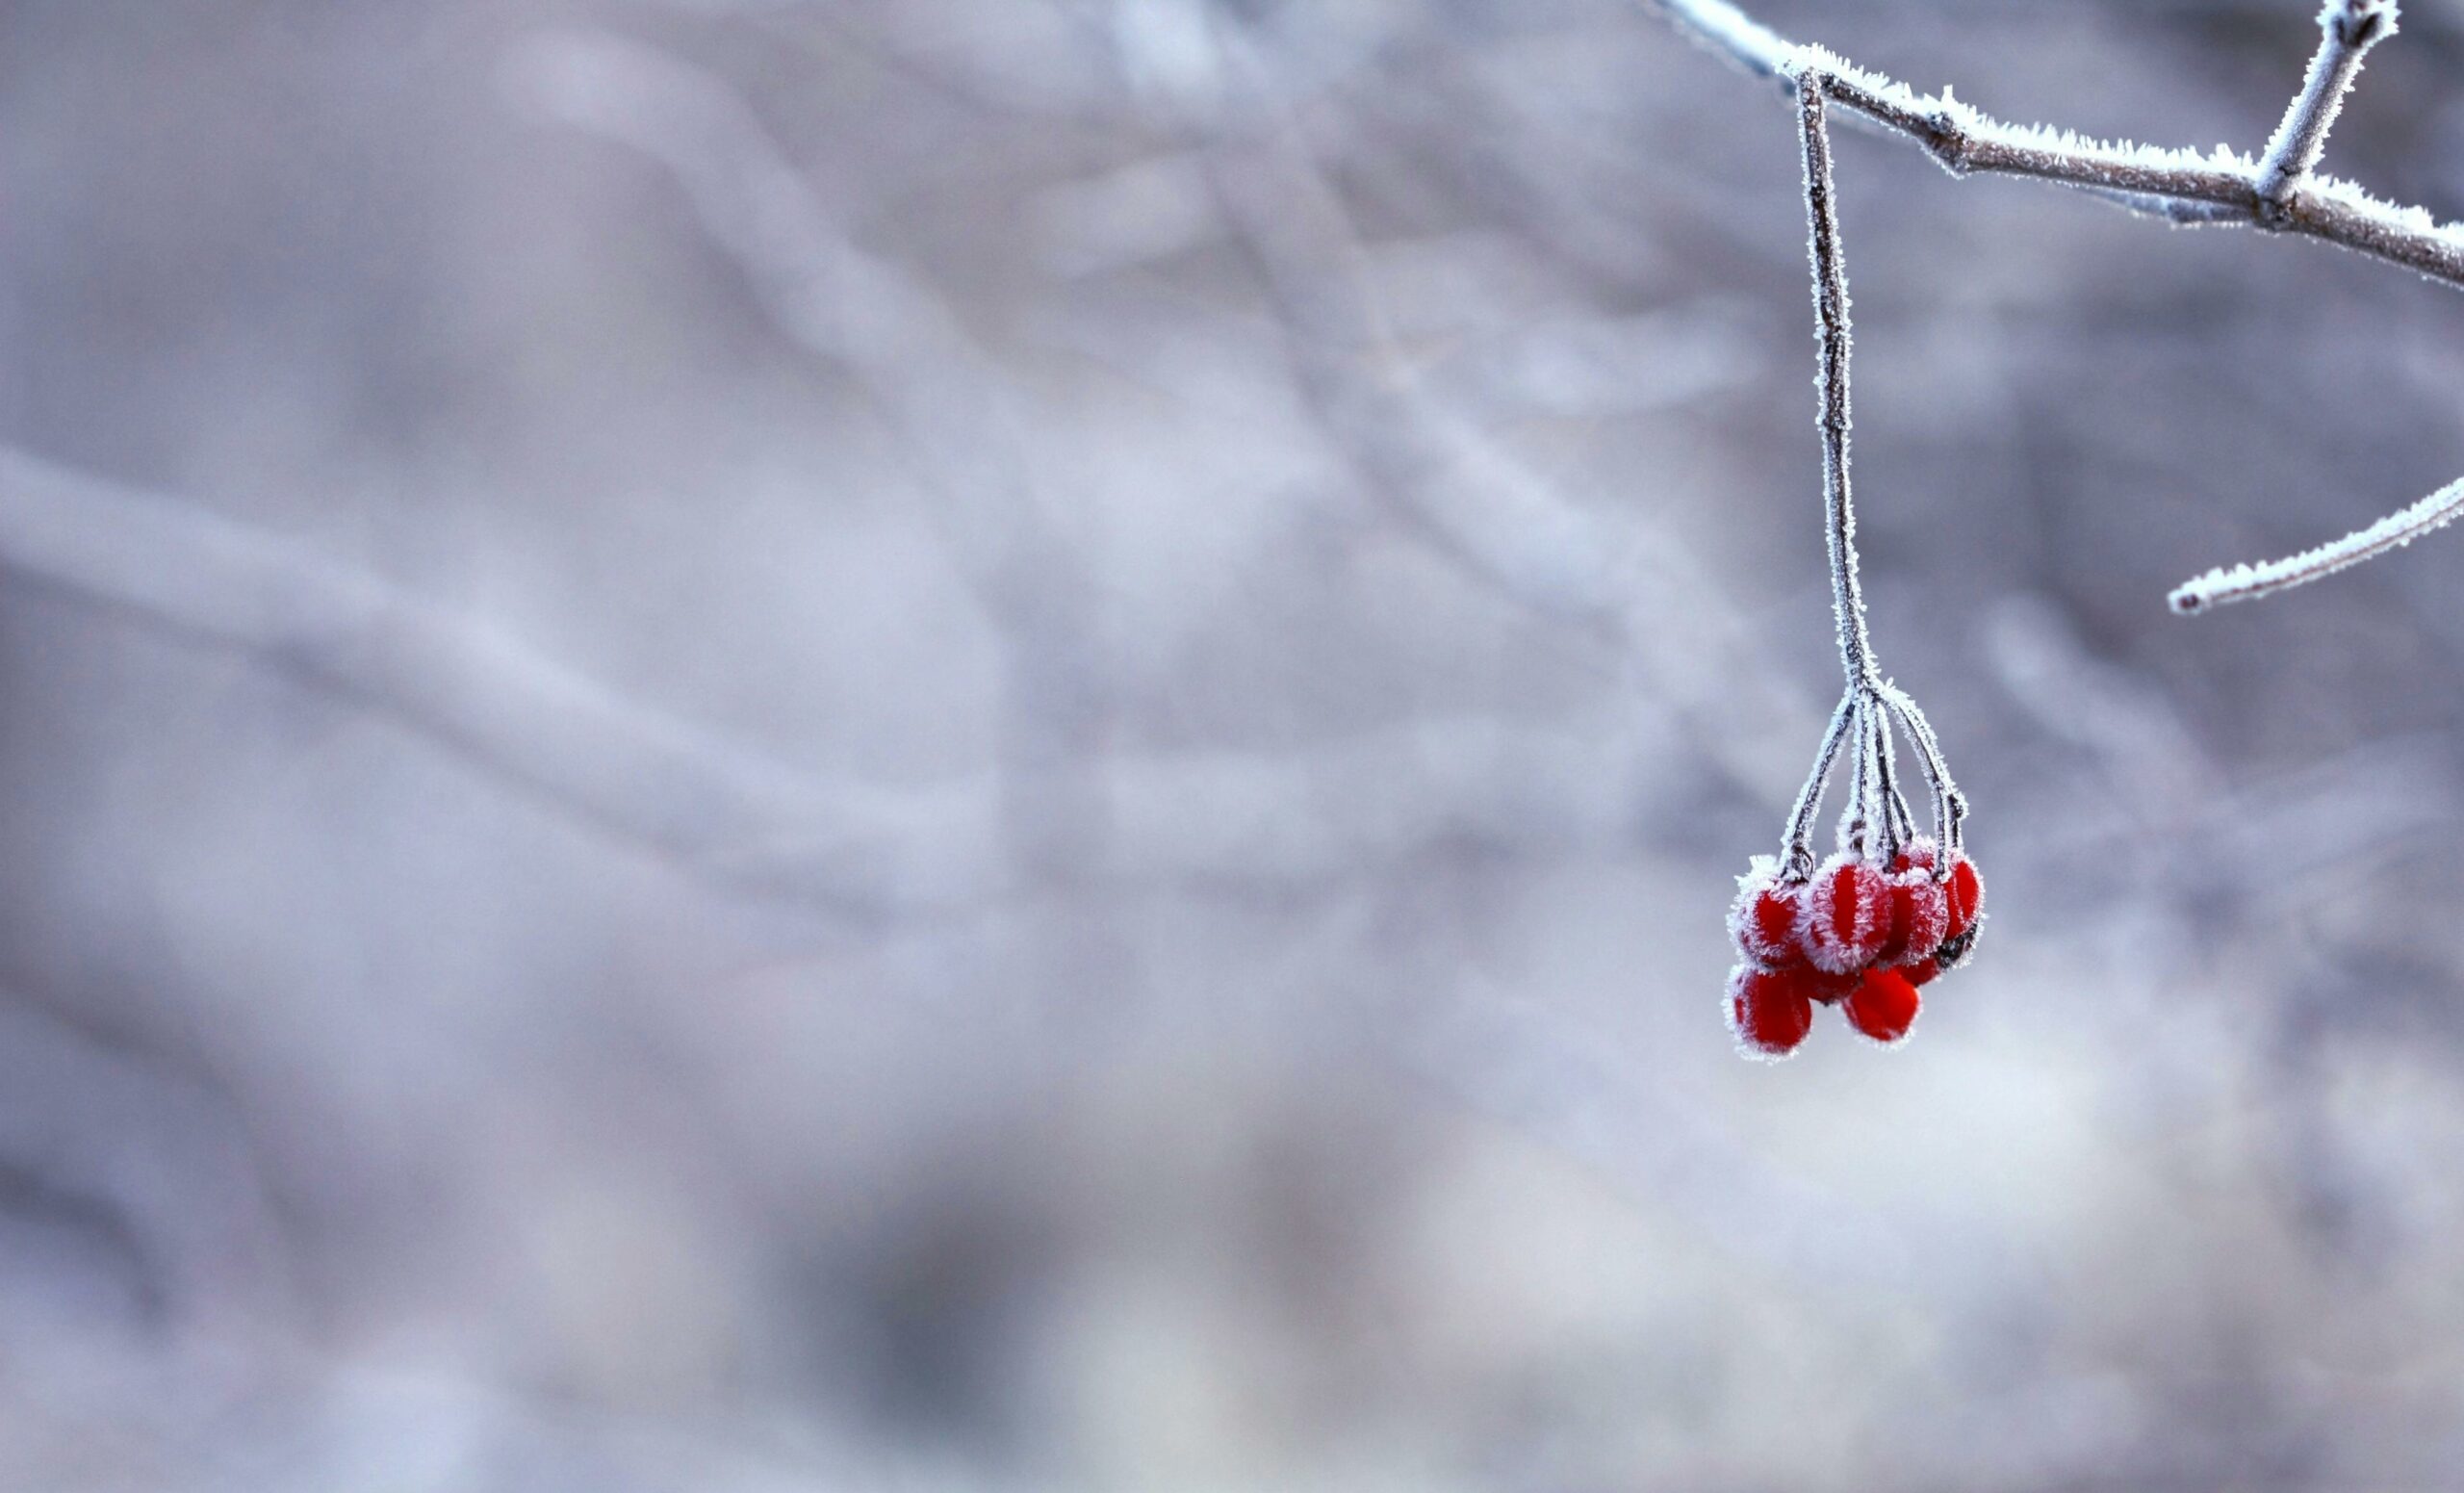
(1273,549)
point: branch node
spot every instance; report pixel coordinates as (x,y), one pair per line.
(2347,29)
(2360,23)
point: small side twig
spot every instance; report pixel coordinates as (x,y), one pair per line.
(2248,583)
(2347,30)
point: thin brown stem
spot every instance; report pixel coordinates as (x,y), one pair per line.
(1832,331)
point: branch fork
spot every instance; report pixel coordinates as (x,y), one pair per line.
(2278,191)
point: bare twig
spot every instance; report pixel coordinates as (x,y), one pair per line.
(2279,192)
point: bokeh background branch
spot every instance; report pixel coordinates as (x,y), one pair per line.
(985,744)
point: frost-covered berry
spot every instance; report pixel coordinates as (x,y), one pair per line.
(1823,986)
(1919,914)
(1769,1011)
(1762,922)
(1966,892)
(1885,1006)
(1847,914)
(1925,971)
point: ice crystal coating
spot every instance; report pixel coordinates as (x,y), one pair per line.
(1965,891)
(1919,916)
(1846,915)
(2247,582)
(1762,921)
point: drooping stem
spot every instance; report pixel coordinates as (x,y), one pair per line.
(1798,860)
(1950,805)
(1898,825)
(1876,821)
(1831,332)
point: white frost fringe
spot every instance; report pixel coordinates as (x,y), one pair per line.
(2246,583)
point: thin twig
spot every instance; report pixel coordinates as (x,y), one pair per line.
(1797,858)
(1950,806)
(2347,29)
(2247,582)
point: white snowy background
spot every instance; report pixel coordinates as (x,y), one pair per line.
(1266,555)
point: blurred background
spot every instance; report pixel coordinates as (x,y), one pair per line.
(997,744)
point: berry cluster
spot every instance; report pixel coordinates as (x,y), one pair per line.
(1893,908)
(1858,932)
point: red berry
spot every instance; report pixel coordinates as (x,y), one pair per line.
(1769,1011)
(1847,915)
(1923,972)
(1824,985)
(1919,916)
(1884,1005)
(1763,921)
(1965,892)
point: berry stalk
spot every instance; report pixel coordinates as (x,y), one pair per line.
(1831,332)
(1894,908)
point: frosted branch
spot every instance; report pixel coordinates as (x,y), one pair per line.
(2177,186)
(2278,191)
(1729,31)
(2347,30)
(2247,582)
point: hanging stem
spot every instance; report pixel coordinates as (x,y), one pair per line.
(1876,821)
(1797,858)
(1832,330)
(1950,805)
